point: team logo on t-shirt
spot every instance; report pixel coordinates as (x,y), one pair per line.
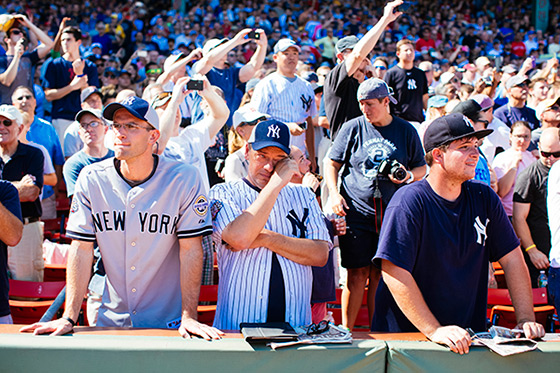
(200,205)
(376,150)
(74,206)
(480,230)
(411,84)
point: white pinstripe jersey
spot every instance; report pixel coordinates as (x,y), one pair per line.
(137,230)
(286,101)
(245,275)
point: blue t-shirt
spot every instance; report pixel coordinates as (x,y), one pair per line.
(228,81)
(10,200)
(74,165)
(509,115)
(360,147)
(446,246)
(43,133)
(58,74)
(482,172)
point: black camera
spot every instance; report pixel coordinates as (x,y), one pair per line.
(254,35)
(195,85)
(392,167)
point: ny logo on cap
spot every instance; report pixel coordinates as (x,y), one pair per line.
(467,122)
(273,131)
(128,100)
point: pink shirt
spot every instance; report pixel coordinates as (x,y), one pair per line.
(502,163)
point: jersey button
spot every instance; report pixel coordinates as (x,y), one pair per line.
(134,290)
(132,268)
(133,244)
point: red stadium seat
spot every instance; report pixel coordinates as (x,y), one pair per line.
(54,272)
(27,311)
(502,312)
(208,293)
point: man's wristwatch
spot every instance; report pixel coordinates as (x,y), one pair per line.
(69,320)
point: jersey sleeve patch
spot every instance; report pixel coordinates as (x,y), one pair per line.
(200,205)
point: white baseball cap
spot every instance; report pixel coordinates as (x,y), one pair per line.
(247,114)
(10,112)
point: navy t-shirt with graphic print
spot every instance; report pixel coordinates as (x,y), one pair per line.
(446,246)
(361,147)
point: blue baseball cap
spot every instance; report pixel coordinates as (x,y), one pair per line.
(375,88)
(271,133)
(444,130)
(136,106)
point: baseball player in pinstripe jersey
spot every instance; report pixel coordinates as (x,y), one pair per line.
(147,214)
(288,98)
(268,234)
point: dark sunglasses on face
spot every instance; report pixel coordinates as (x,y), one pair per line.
(253,122)
(549,154)
(380,67)
(15,32)
(6,122)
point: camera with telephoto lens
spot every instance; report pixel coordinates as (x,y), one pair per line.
(392,167)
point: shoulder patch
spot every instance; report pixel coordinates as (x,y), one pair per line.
(200,205)
(74,206)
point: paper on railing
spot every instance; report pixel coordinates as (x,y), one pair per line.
(335,334)
(503,341)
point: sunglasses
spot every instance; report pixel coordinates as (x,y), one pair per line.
(253,122)
(15,32)
(153,71)
(6,122)
(549,154)
(380,67)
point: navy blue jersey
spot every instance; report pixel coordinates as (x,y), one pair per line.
(446,246)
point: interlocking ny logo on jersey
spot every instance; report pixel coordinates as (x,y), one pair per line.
(480,230)
(297,224)
(411,84)
(273,131)
(306,102)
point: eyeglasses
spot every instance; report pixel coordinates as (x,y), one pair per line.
(6,122)
(484,122)
(549,154)
(93,124)
(27,97)
(253,122)
(319,328)
(129,127)
(380,67)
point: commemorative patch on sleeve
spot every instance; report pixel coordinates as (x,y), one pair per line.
(200,205)
(74,206)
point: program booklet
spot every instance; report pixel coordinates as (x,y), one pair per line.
(504,341)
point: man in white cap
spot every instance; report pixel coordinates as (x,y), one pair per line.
(214,64)
(151,252)
(548,112)
(288,98)
(26,259)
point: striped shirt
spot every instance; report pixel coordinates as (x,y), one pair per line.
(245,275)
(287,100)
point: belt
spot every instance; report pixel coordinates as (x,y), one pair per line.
(30,220)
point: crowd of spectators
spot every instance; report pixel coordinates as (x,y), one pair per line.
(483,60)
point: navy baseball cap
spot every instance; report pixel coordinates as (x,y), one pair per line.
(271,133)
(136,106)
(375,88)
(449,128)
(469,108)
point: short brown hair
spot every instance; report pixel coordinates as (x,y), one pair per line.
(76,32)
(402,42)
(429,157)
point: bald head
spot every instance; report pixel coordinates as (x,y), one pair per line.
(549,143)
